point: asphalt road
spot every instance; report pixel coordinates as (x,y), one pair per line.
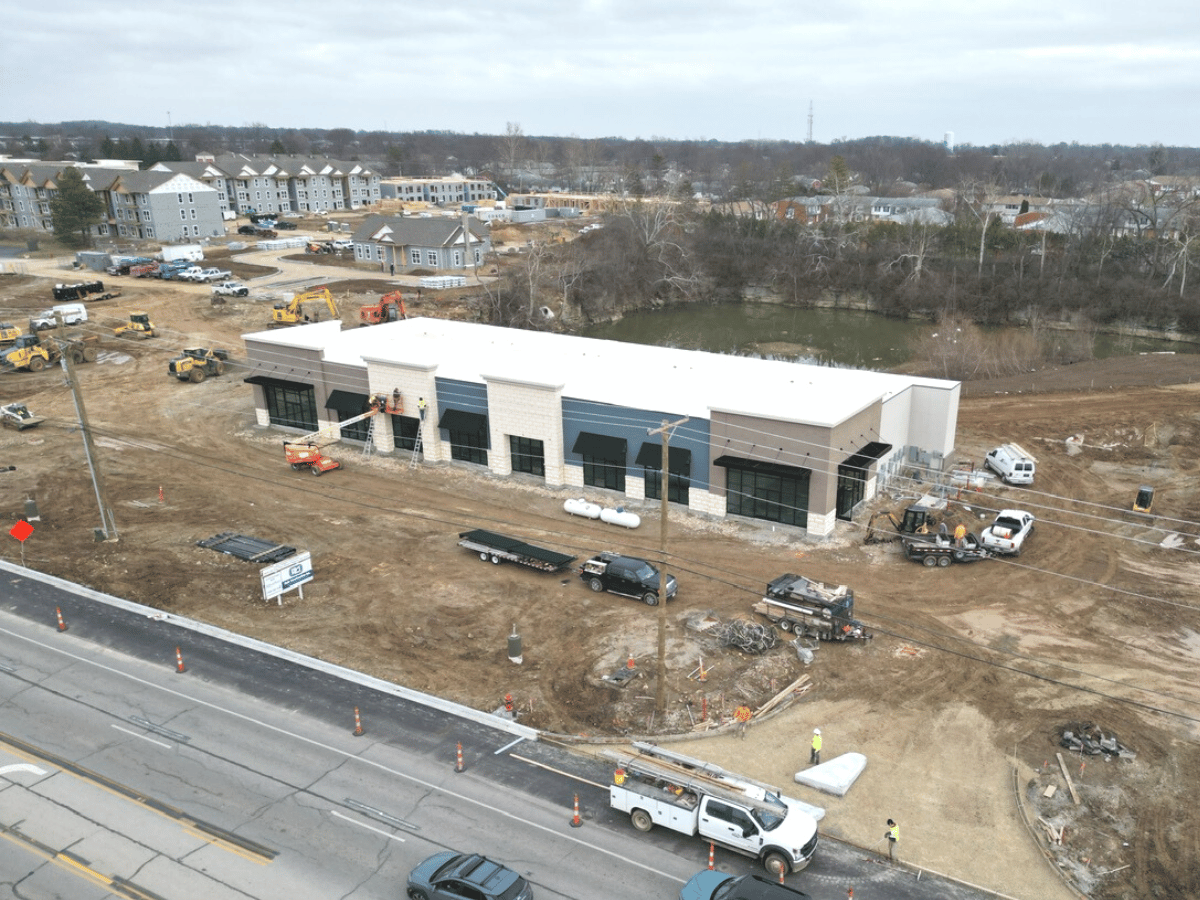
(242,776)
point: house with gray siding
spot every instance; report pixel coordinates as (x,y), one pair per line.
(444,243)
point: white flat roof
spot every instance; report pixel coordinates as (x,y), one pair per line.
(660,379)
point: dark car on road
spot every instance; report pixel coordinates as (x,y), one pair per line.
(712,885)
(282,225)
(465,876)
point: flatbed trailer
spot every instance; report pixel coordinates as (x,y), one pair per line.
(937,551)
(498,548)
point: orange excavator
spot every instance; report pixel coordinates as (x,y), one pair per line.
(389,308)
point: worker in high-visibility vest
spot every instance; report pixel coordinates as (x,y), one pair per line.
(421,407)
(814,758)
(960,534)
(893,837)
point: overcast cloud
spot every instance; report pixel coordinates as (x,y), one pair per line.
(1088,72)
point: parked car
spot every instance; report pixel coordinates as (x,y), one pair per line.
(247,229)
(627,576)
(285,226)
(713,885)
(455,876)
(1008,533)
(342,244)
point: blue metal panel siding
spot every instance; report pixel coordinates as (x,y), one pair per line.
(465,395)
(632,424)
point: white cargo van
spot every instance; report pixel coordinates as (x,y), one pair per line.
(1012,463)
(72,314)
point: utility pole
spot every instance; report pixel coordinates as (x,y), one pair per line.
(107,523)
(660,691)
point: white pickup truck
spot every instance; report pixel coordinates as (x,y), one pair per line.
(661,787)
(1007,534)
(230,289)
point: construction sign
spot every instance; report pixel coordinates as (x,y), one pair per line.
(285,575)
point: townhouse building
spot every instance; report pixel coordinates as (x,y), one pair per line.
(283,184)
(438,191)
(161,206)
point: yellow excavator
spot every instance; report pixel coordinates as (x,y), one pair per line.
(293,312)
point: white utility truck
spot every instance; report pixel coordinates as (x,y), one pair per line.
(660,787)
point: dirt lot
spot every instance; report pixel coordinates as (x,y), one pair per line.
(957,702)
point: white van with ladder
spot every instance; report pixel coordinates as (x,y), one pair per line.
(1013,463)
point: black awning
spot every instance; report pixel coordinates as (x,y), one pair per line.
(348,402)
(268,381)
(601,446)
(463,421)
(867,455)
(679,459)
(759,465)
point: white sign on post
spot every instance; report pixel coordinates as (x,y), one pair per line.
(285,575)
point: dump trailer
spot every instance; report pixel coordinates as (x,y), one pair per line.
(656,786)
(941,550)
(811,609)
(498,548)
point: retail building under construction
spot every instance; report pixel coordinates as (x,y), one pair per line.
(796,444)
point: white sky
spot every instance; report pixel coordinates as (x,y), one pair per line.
(1086,71)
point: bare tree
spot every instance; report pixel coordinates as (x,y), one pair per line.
(512,148)
(980,198)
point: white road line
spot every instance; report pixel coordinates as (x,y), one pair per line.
(394,837)
(345,754)
(508,746)
(143,737)
(21,767)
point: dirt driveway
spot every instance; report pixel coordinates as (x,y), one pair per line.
(958,701)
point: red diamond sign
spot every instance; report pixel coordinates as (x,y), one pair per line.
(21,531)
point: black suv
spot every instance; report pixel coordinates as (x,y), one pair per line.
(627,576)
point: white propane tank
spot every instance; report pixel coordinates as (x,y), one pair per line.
(619,516)
(581,507)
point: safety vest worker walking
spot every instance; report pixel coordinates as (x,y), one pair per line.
(893,837)
(814,757)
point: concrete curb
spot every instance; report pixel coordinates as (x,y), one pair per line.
(384,687)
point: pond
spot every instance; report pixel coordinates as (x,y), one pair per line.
(837,337)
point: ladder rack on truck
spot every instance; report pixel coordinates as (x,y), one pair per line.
(497,548)
(693,775)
